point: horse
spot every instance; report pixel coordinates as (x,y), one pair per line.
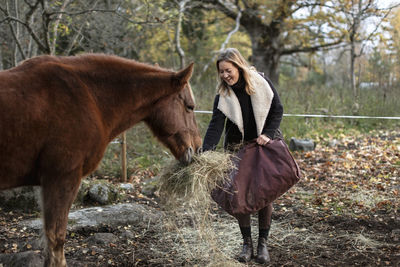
(58,114)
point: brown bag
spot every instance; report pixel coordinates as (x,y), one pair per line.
(263,174)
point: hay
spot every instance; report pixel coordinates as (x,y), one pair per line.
(193,183)
(185,192)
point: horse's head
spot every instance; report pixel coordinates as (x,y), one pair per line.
(173,120)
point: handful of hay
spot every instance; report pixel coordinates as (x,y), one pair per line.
(185,192)
(193,183)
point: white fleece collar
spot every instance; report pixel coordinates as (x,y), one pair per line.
(261,102)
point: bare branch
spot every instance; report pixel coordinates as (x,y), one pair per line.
(225,43)
(311,48)
(55,28)
(15,36)
(27,24)
(179,49)
(77,34)
(361,52)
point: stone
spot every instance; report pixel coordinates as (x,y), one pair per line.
(150,186)
(333,143)
(26,198)
(22,259)
(112,215)
(127,187)
(100,193)
(395,235)
(103,192)
(102,238)
(301,144)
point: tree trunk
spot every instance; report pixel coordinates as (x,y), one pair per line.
(352,71)
(1,59)
(179,49)
(265,49)
(266,40)
(266,61)
(56,23)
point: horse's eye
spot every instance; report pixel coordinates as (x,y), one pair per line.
(189,107)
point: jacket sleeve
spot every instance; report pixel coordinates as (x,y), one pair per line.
(215,127)
(275,114)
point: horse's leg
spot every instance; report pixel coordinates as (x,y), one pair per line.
(58,194)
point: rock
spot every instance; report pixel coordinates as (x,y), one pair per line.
(127,235)
(127,187)
(102,238)
(301,144)
(103,192)
(100,193)
(150,186)
(22,259)
(333,143)
(395,235)
(112,215)
(82,195)
(39,243)
(26,198)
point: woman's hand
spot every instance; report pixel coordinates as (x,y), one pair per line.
(263,140)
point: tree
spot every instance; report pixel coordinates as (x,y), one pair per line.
(69,27)
(394,47)
(277,28)
(182,6)
(355,12)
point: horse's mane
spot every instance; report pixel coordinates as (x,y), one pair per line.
(90,60)
(111,60)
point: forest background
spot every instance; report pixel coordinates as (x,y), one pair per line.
(338,57)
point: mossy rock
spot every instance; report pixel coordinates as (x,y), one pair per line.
(26,198)
(150,186)
(102,192)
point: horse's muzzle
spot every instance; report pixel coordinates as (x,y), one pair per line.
(187,156)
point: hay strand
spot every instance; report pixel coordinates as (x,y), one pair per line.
(193,183)
(185,192)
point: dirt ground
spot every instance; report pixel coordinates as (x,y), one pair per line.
(345,211)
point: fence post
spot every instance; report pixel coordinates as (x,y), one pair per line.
(123,158)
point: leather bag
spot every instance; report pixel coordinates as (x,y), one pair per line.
(262,174)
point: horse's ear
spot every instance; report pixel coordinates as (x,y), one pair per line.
(183,76)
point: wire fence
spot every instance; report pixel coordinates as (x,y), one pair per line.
(320,116)
(122,140)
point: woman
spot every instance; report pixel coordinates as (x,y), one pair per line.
(252,110)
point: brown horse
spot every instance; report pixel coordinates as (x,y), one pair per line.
(57,115)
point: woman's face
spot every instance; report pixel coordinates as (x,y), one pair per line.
(228,72)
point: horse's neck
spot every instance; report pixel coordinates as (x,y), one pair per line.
(125,96)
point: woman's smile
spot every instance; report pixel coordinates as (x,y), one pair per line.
(228,72)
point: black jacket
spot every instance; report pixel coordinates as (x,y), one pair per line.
(232,133)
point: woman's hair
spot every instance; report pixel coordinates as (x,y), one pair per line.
(233,56)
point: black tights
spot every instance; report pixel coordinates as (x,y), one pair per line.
(264,218)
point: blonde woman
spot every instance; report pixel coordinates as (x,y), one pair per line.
(248,107)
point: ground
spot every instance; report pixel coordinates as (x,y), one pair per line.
(345,211)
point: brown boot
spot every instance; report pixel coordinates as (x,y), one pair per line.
(247,250)
(262,251)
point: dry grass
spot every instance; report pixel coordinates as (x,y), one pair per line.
(192,184)
(185,191)
(211,242)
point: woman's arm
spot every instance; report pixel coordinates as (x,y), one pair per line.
(275,114)
(215,128)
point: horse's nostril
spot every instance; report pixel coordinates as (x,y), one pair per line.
(187,156)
